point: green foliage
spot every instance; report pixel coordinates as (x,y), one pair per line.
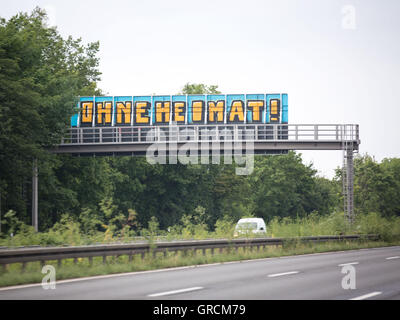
(199,88)
(224,227)
(66,231)
(335,224)
(311,225)
(19,232)
(152,231)
(283,186)
(41,74)
(374,223)
(12,222)
(376,185)
(89,221)
(194,225)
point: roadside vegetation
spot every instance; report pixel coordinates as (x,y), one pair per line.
(72,233)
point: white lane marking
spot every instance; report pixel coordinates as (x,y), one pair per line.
(24,286)
(392,258)
(366,296)
(106,276)
(282,274)
(346,264)
(166,293)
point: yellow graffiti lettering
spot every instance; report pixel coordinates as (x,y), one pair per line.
(87,112)
(141,109)
(124,109)
(178,110)
(256,107)
(216,108)
(274,114)
(162,111)
(103,109)
(197,109)
(236,113)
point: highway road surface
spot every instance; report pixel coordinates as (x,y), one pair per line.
(314,276)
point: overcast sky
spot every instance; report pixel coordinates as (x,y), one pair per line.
(339,61)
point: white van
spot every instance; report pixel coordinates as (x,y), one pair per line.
(250,225)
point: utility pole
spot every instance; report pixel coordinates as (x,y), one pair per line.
(0,212)
(35,195)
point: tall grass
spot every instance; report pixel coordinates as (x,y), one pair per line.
(68,232)
(335,224)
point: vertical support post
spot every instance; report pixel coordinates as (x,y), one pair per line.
(357,132)
(35,195)
(348,182)
(350,185)
(0,212)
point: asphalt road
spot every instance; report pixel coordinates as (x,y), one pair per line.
(316,276)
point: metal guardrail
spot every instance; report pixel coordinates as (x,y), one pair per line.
(24,255)
(211,133)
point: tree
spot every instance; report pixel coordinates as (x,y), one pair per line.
(376,185)
(283,186)
(41,74)
(199,88)
(390,205)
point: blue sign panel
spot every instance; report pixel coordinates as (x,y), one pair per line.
(181,109)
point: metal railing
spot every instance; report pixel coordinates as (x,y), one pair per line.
(43,254)
(219,132)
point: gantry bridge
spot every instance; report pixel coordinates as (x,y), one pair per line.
(212,140)
(271,138)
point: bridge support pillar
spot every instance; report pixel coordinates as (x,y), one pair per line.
(35,195)
(348,182)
